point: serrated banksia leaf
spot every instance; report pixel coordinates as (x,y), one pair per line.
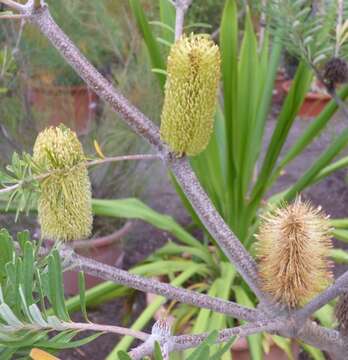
(193,73)
(293,245)
(341,312)
(64,206)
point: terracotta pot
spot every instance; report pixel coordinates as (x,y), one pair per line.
(111,254)
(313,104)
(107,250)
(75,106)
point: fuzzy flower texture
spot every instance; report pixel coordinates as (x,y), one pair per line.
(193,73)
(64,206)
(293,245)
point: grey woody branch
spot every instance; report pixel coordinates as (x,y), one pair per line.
(181,7)
(106,272)
(339,286)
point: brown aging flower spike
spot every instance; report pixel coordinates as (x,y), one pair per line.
(64,207)
(293,245)
(193,74)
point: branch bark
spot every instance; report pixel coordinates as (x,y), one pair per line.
(106,272)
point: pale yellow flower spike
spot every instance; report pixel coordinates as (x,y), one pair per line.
(193,74)
(64,206)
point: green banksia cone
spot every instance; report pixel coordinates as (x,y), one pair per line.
(293,245)
(64,205)
(193,73)
(341,312)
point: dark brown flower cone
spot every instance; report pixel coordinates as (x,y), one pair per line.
(335,72)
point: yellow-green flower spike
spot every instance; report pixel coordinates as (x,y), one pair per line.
(193,73)
(293,246)
(64,206)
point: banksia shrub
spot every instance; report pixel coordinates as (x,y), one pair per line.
(293,245)
(341,312)
(193,73)
(64,205)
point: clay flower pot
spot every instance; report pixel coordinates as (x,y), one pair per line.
(107,250)
(74,106)
(313,104)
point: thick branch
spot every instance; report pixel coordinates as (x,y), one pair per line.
(323,298)
(214,223)
(125,278)
(324,339)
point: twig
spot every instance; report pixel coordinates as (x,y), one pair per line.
(124,158)
(107,328)
(82,327)
(14,16)
(106,272)
(103,240)
(88,164)
(14,5)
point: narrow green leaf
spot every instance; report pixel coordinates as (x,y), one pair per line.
(286,118)
(229,57)
(158,352)
(82,290)
(339,256)
(56,286)
(135,209)
(202,352)
(69,345)
(123,355)
(167,14)
(254,341)
(28,272)
(149,38)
